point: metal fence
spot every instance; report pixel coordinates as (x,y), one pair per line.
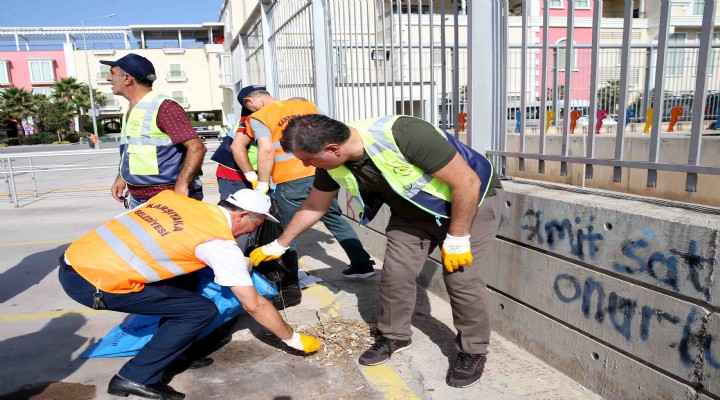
(679,84)
(377,57)
(452,62)
(34,175)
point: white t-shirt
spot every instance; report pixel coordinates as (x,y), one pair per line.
(226,260)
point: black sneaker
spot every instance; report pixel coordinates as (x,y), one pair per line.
(289,296)
(467,370)
(361,271)
(382,349)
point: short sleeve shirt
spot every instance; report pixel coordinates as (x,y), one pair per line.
(172,120)
(423,147)
(420,143)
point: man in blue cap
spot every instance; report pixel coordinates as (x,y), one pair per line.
(293,182)
(159,149)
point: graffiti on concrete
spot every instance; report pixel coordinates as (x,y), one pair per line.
(668,267)
(581,239)
(621,312)
(663,266)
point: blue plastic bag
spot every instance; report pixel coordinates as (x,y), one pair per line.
(131,335)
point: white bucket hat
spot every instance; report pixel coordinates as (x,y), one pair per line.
(253,201)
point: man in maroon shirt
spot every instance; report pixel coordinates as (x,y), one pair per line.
(132,77)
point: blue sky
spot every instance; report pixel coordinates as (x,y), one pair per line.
(129,12)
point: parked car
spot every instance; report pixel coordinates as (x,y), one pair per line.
(209,131)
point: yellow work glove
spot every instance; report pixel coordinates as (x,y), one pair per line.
(262,187)
(304,343)
(252,178)
(456,252)
(270,251)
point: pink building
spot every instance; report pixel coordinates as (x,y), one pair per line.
(32,70)
(580,84)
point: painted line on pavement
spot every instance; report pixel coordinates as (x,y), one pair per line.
(387,381)
(47,315)
(381,377)
(329,305)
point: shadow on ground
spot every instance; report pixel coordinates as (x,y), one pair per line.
(29,272)
(36,363)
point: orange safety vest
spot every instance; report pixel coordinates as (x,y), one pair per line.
(276,117)
(151,243)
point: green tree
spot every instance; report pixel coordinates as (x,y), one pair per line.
(66,89)
(607,96)
(78,96)
(39,104)
(58,117)
(16,103)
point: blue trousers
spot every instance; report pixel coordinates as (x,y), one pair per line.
(290,195)
(184,314)
(230,186)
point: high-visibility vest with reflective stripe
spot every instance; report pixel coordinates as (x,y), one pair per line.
(276,117)
(154,242)
(148,156)
(407,180)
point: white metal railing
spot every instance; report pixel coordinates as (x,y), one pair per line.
(13,166)
(364,58)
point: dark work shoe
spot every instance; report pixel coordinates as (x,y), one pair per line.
(362,271)
(289,296)
(120,386)
(467,370)
(382,350)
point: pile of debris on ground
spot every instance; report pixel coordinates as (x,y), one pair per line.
(342,339)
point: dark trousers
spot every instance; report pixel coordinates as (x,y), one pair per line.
(184,314)
(290,196)
(409,243)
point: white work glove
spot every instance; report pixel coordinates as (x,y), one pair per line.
(270,251)
(252,178)
(262,187)
(304,343)
(456,252)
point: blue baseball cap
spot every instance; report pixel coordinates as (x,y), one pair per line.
(137,66)
(245,92)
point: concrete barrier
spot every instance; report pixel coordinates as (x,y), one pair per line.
(674,149)
(618,293)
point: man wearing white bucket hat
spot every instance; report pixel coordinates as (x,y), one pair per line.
(125,266)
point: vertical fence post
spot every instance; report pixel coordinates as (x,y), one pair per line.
(567,97)
(482,34)
(622,101)
(658,102)
(590,145)
(6,174)
(322,59)
(698,107)
(523,84)
(32,175)
(544,84)
(269,54)
(13,188)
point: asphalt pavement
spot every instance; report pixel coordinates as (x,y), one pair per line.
(43,332)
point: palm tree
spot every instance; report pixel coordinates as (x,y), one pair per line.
(16,104)
(68,89)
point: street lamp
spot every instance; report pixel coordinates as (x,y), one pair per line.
(87,66)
